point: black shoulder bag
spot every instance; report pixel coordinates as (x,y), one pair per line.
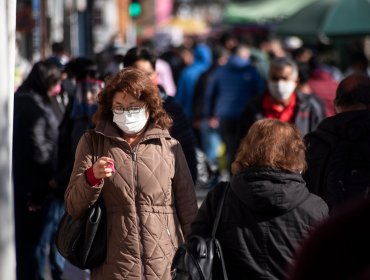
(83,241)
(201,258)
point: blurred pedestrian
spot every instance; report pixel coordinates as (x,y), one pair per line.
(282,101)
(268,210)
(323,85)
(83,88)
(338,150)
(59,55)
(35,137)
(165,77)
(230,88)
(142,175)
(144,59)
(189,77)
(338,248)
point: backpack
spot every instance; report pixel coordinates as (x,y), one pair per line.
(201,258)
(347,168)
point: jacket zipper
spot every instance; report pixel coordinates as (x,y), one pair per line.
(134,163)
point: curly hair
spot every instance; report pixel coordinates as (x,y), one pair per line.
(271,143)
(137,83)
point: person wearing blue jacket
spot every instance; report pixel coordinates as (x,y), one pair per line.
(229,90)
(189,77)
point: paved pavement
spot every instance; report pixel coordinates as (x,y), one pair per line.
(201,194)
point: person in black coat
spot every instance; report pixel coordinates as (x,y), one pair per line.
(340,146)
(268,210)
(338,248)
(35,137)
(144,59)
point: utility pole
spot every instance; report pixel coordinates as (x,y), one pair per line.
(43,29)
(123,19)
(7,57)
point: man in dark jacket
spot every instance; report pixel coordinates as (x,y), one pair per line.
(143,59)
(340,145)
(281,101)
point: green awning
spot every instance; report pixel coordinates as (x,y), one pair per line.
(330,18)
(306,22)
(349,17)
(261,11)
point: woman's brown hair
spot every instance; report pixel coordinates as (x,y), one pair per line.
(137,83)
(271,143)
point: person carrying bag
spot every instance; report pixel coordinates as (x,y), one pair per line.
(201,258)
(83,241)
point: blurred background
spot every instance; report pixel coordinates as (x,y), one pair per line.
(91,27)
(332,36)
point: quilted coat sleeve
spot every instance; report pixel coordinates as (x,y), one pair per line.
(184,191)
(79,195)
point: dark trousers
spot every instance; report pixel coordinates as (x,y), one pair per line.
(229,134)
(27,232)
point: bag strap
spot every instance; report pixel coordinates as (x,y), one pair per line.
(221,257)
(219,212)
(93,143)
(214,230)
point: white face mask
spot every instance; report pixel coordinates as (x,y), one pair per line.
(131,122)
(281,90)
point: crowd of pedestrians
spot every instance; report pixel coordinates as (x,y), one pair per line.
(287,130)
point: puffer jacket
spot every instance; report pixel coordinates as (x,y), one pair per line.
(266,215)
(150,200)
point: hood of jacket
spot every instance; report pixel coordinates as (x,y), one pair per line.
(237,62)
(348,125)
(202,56)
(269,191)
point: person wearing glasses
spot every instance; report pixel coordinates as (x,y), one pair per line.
(142,175)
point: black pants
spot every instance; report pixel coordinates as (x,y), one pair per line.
(229,134)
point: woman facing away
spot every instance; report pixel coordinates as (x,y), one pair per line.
(142,175)
(268,209)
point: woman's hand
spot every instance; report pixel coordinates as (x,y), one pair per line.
(103,168)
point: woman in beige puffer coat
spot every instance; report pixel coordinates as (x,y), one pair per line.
(141,172)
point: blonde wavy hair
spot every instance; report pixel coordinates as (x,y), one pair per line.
(271,143)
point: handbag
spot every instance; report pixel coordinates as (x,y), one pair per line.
(83,241)
(201,258)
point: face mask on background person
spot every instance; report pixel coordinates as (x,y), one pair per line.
(131,122)
(281,90)
(55,90)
